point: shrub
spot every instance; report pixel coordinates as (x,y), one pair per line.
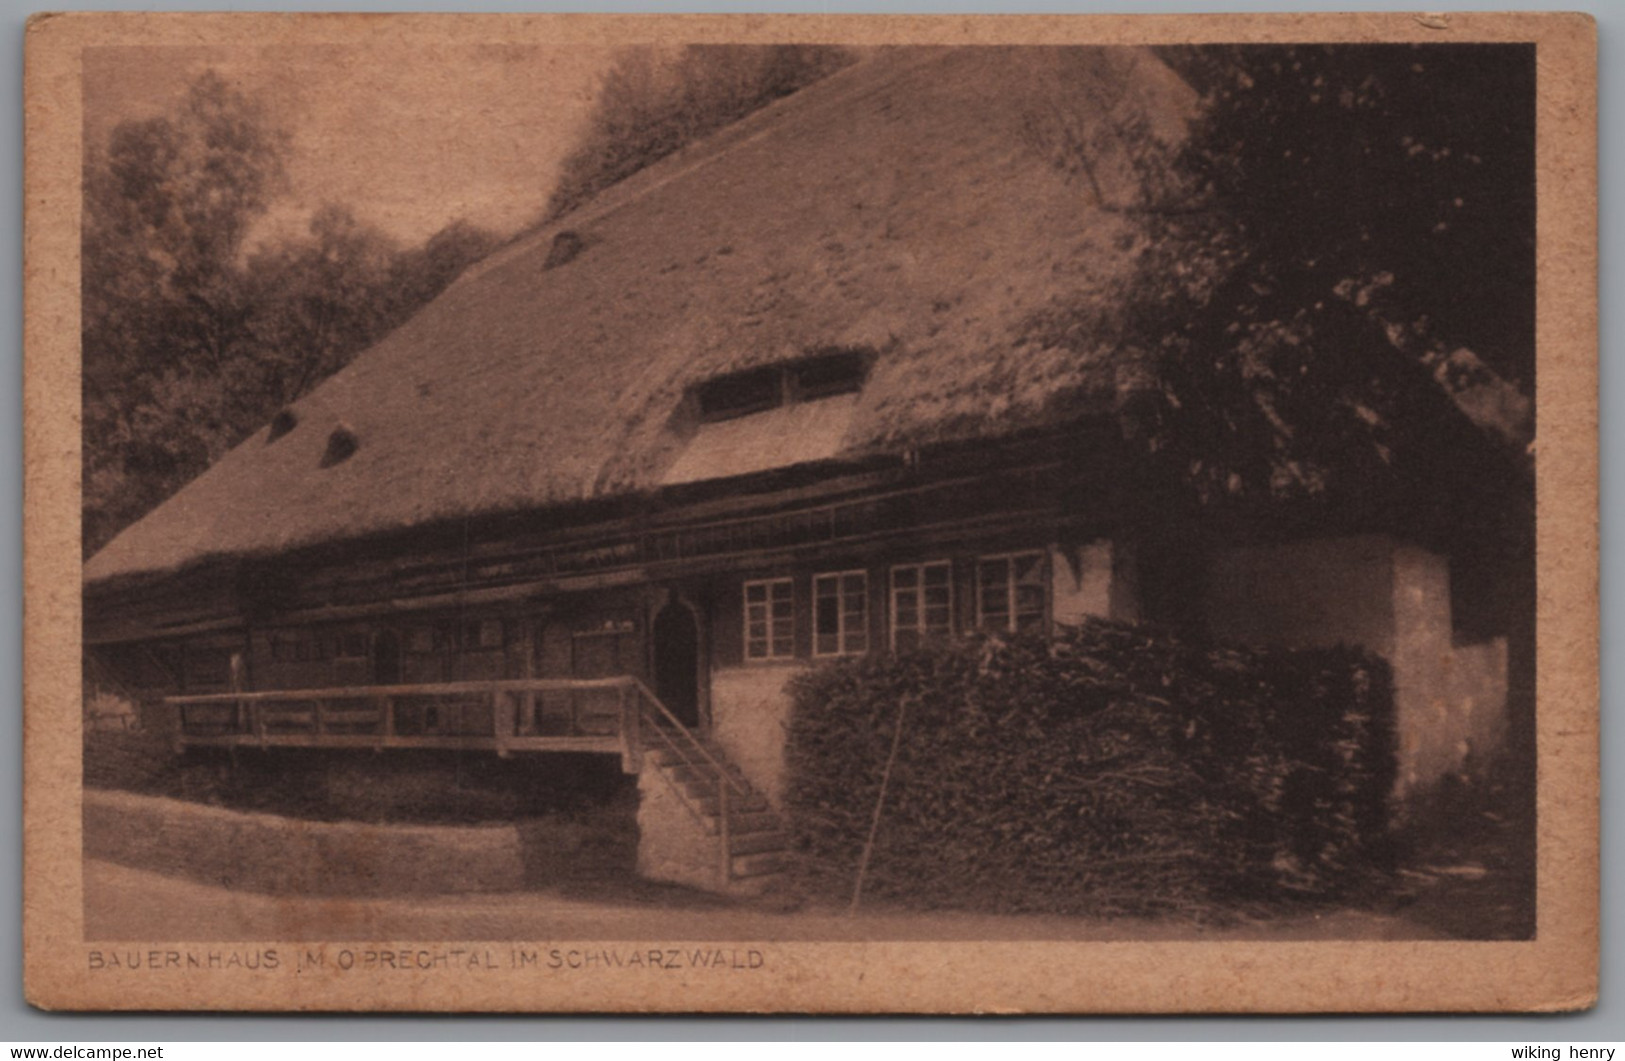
(1110,768)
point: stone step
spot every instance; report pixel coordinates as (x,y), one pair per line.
(701,791)
(765,864)
(689,775)
(757,843)
(744,823)
(737,805)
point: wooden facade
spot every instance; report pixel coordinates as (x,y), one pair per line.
(668,590)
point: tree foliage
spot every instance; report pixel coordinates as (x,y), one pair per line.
(192,337)
(651,103)
(1338,262)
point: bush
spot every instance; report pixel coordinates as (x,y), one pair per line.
(417,787)
(1108,769)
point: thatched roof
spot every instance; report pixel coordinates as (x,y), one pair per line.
(908,206)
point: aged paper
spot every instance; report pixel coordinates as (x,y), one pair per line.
(509,500)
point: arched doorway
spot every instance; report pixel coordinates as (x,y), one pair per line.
(386,658)
(677,661)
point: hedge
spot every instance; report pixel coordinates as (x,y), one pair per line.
(1111,768)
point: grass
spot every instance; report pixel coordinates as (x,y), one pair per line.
(1467,861)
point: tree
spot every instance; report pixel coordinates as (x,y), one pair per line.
(191,337)
(1336,288)
(651,103)
(168,202)
(1342,263)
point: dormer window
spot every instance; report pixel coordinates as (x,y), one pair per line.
(768,418)
(828,374)
(823,375)
(742,393)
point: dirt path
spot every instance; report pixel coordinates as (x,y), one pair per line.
(129,904)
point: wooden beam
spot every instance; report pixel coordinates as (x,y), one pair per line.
(606,745)
(361,692)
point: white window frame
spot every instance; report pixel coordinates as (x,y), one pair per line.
(769,655)
(920,628)
(1010,625)
(841,629)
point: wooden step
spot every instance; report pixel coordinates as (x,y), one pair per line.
(766,864)
(757,843)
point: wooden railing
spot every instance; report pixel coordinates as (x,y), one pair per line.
(581,714)
(665,731)
(607,715)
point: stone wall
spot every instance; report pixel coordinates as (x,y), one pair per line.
(1451,699)
(264,852)
(1307,594)
(750,716)
(1096,579)
(1393,599)
(672,845)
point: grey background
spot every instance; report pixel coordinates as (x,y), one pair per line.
(19,1022)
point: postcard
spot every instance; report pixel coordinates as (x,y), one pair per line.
(850,514)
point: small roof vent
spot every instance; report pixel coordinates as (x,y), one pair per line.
(341,446)
(566,245)
(281,424)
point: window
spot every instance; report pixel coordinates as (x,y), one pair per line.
(831,373)
(742,393)
(351,645)
(921,604)
(769,619)
(841,614)
(823,375)
(1010,592)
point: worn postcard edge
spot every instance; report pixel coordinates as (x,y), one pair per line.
(1555,971)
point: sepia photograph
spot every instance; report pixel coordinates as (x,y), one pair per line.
(616,510)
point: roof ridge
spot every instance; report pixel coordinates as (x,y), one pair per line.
(705,151)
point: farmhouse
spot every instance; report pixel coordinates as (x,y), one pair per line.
(795,392)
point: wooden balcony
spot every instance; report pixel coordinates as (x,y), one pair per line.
(601,715)
(609,716)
